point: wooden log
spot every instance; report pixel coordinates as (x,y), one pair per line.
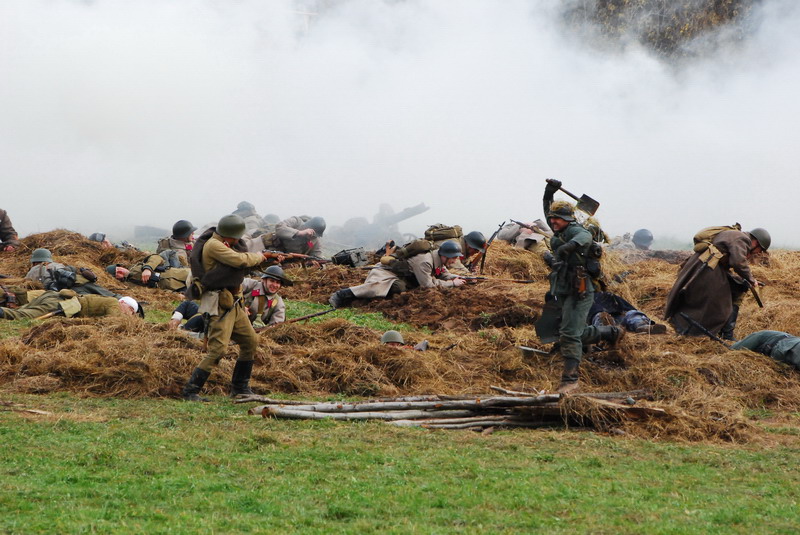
(470,404)
(516,393)
(278,412)
(269,401)
(502,422)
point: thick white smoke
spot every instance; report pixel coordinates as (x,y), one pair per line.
(115,113)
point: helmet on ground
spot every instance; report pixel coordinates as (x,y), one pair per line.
(317,223)
(476,240)
(41,255)
(276,272)
(392,336)
(97,236)
(762,237)
(562,210)
(450,249)
(231,226)
(182,229)
(643,238)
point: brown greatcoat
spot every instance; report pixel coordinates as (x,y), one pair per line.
(704,294)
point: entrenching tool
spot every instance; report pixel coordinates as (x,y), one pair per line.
(585,203)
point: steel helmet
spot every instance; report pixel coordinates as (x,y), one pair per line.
(182,229)
(562,210)
(231,226)
(762,237)
(476,240)
(317,223)
(450,249)
(245,206)
(276,272)
(271,219)
(41,255)
(643,238)
(392,336)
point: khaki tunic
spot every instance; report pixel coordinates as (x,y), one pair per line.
(227,324)
(181,247)
(427,269)
(270,307)
(173,279)
(289,242)
(92,306)
(706,295)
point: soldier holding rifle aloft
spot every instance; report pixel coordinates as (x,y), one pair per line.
(571,288)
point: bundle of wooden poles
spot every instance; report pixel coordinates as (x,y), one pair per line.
(600,410)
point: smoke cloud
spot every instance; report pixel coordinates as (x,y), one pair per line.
(116,113)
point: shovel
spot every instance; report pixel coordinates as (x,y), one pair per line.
(585,203)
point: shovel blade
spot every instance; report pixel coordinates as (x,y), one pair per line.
(587,204)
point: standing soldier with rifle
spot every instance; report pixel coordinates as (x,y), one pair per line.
(571,289)
(219,264)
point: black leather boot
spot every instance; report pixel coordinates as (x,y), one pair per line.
(569,377)
(727,331)
(342,298)
(240,381)
(192,389)
(611,335)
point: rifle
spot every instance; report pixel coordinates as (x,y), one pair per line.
(755,294)
(301,318)
(475,278)
(702,329)
(295,256)
(489,243)
(524,225)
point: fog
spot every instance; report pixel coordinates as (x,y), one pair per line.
(119,113)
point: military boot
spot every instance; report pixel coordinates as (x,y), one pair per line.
(191,392)
(611,335)
(727,331)
(569,377)
(240,381)
(342,298)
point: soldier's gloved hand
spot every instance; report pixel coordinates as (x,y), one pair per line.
(549,259)
(565,250)
(552,186)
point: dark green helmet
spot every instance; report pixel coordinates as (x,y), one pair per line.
(476,240)
(231,226)
(450,249)
(276,272)
(762,237)
(41,255)
(317,223)
(642,238)
(182,229)
(392,336)
(562,210)
(112,270)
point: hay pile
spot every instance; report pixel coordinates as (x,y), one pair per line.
(473,332)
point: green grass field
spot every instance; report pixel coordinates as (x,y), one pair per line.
(165,466)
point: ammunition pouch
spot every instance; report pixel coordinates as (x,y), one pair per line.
(226,299)
(194,290)
(711,256)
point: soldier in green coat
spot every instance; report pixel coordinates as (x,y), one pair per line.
(571,288)
(68,303)
(778,345)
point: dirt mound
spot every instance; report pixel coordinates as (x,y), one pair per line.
(473,332)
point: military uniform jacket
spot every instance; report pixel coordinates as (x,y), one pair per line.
(93,306)
(270,307)
(8,236)
(426,268)
(214,253)
(181,247)
(169,278)
(43,273)
(288,241)
(704,294)
(562,279)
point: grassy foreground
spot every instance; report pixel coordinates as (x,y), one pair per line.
(163,466)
